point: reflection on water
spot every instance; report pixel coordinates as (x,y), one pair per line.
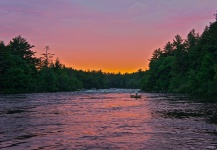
(106,119)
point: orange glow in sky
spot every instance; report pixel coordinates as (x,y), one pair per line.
(114,35)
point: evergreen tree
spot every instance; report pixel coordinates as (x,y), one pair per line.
(185,66)
(20,47)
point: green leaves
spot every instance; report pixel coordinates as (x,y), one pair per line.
(21,71)
(185,66)
(20,47)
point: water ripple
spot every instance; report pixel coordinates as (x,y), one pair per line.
(106,119)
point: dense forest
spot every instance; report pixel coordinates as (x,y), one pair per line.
(185,65)
(181,66)
(22,72)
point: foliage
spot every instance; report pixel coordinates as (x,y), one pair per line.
(182,66)
(22,72)
(185,66)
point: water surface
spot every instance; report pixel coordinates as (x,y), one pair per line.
(106,119)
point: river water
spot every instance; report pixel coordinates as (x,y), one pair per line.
(106,119)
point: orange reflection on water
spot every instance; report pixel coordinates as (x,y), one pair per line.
(112,119)
(99,120)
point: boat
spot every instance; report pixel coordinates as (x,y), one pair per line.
(135,96)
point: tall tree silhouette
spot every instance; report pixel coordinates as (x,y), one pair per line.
(19,46)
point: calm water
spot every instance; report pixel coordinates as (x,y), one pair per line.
(106,119)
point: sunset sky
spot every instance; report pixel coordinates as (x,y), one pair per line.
(112,35)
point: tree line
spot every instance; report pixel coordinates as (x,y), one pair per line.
(22,72)
(181,66)
(185,65)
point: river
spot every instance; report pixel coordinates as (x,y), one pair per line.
(106,119)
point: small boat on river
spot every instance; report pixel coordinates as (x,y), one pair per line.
(135,96)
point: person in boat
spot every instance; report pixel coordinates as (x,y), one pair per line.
(136,95)
(136,92)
